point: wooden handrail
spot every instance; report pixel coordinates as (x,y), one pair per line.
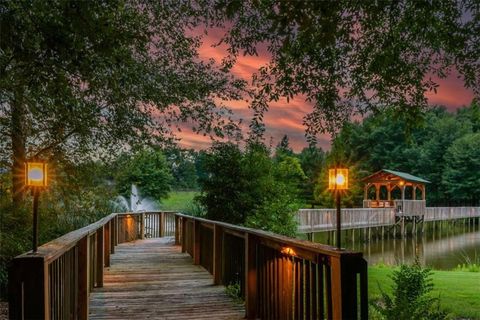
(55,282)
(279,277)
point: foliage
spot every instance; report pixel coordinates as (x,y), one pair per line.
(148,170)
(352,56)
(182,167)
(461,177)
(224,188)
(458,291)
(251,188)
(410,295)
(468,267)
(234,291)
(380,142)
(312,160)
(283,148)
(89,79)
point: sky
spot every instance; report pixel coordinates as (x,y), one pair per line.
(286,118)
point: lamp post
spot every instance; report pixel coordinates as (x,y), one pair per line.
(338,182)
(36,179)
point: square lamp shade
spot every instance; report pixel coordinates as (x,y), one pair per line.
(36,174)
(338,179)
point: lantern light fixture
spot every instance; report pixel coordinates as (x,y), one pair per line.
(36,174)
(338,179)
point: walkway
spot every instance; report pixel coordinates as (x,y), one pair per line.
(152,279)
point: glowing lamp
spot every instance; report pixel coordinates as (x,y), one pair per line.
(288,251)
(401,183)
(338,179)
(35,174)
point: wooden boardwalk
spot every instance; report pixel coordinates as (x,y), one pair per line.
(153,279)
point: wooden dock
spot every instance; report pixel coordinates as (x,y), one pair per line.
(167,265)
(153,279)
(320,220)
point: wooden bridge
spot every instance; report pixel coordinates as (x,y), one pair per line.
(165,265)
(318,220)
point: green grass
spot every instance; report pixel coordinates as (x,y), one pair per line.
(178,201)
(459,291)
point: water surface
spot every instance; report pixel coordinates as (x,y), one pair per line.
(442,246)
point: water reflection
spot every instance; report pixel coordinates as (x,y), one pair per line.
(442,245)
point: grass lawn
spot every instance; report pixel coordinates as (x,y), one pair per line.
(459,291)
(178,200)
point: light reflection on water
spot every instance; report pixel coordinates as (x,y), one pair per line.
(442,247)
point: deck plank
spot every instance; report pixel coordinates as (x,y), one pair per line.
(153,279)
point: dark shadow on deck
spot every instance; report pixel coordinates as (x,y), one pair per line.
(153,279)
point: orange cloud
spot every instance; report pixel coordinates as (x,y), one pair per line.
(287,118)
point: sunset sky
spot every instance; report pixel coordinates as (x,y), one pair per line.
(286,118)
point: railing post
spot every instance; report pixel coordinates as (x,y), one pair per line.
(100,257)
(28,285)
(250,276)
(142,226)
(196,242)
(83,278)
(107,243)
(177,230)
(217,254)
(162,224)
(344,270)
(184,234)
(113,233)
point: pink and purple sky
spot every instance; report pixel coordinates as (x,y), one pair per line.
(286,118)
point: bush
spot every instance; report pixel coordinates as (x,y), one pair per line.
(411,299)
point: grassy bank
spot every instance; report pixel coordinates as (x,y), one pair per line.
(179,201)
(459,291)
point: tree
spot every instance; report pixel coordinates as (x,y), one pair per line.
(283,148)
(352,56)
(148,170)
(88,79)
(250,188)
(461,177)
(224,184)
(182,167)
(312,160)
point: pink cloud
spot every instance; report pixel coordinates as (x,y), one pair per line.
(287,118)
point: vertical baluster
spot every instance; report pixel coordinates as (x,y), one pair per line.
(321,290)
(83,277)
(314,288)
(328,288)
(250,276)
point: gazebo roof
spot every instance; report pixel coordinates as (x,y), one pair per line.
(401,175)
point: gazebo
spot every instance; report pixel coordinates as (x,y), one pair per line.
(389,180)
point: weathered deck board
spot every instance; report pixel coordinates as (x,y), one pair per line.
(152,279)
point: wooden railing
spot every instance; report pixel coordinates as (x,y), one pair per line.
(279,277)
(315,220)
(451,213)
(318,220)
(55,282)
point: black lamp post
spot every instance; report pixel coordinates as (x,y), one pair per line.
(36,179)
(338,182)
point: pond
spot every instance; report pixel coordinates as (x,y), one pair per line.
(442,245)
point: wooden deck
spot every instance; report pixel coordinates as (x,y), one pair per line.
(152,279)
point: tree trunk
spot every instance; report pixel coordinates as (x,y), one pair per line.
(18,149)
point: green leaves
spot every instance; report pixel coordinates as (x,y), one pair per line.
(353,57)
(148,170)
(250,188)
(411,297)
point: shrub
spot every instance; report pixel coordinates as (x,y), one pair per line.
(411,297)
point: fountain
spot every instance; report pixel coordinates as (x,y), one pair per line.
(136,203)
